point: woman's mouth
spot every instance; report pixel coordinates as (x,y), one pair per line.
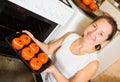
(90,37)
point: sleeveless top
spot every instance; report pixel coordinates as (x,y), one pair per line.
(68,63)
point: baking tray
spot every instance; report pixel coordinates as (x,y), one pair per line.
(9,41)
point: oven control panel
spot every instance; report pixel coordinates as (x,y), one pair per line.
(53,10)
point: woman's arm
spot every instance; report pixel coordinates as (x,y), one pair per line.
(86,73)
(58,76)
(82,76)
(48,48)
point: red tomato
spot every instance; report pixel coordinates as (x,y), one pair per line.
(17,43)
(43,57)
(34,47)
(25,38)
(93,6)
(35,64)
(86,2)
(27,53)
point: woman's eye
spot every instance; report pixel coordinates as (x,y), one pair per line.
(94,26)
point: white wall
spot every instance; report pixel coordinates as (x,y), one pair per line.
(77,23)
(107,6)
(111,52)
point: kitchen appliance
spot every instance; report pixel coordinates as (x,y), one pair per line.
(53,10)
(14,18)
(13,70)
(17,15)
(41,20)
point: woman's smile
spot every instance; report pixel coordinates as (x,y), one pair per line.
(90,36)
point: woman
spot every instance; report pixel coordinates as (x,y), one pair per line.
(76,56)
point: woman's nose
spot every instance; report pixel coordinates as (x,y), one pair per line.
(94,34)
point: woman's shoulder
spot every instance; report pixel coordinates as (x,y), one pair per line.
(94,61)
(72,34)
(69,33)
(94,64)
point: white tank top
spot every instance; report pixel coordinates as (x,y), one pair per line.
(67,62)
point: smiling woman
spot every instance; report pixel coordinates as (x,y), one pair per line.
(76,56)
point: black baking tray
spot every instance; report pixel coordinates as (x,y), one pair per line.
(44,66)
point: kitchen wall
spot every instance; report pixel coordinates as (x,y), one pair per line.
(108,6)
(111,74)
(77,23)
(110,53)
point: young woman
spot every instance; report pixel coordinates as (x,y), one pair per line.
(76,56)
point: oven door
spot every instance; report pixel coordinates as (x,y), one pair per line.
(12,69)
(54,10)
(14,18)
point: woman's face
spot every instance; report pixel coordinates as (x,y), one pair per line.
(97,32)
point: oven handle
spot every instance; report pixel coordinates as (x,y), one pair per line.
(38,78)
(66,3)
(69,3)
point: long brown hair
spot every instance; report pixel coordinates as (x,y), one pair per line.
(112,22)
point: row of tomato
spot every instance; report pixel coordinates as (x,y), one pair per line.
(91,4)
(29,51)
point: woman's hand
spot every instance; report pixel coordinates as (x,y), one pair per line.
(50,69)
(27,32)
(58,76)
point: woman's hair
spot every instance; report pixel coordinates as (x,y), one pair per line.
(112,22)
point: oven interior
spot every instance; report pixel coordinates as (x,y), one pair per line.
(14,19)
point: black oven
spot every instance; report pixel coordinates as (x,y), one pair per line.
(14,18)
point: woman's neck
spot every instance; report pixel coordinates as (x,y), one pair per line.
(86,46)
(79,47)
